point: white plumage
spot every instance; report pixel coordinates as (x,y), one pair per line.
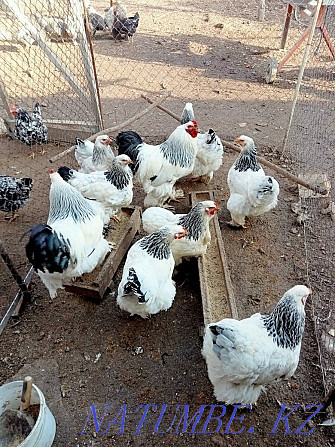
(72,242)
(113,188)
(252,193)
(209,149)
(83,150)
(101,158)
(243,356)
(147,287)
(196,223)
(158,168)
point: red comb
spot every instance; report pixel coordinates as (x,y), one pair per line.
(52,171)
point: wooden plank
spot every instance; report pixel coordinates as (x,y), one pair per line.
(217,293)
(95,284)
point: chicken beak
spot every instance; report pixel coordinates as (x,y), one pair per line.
(238,141)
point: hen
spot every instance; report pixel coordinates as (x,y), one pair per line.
(14,194)
(120,25)
(146,286)
(95,20)
(196,223)
(243,356)
(158,168)
(113,188)
(210,149)
(252,193)
(71,243)
(101,158)
(83,150)
(29,129)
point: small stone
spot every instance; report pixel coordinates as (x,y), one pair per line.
(65,389)
(294,230)
(138,350)
(87,356)
(242,124)
(97,357)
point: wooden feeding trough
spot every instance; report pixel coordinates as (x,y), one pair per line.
(217,293)
(94,285)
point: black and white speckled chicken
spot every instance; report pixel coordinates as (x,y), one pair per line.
(14,194)
(29,129)
(245,355)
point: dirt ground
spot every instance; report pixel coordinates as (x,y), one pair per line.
(83,353)
(89,351)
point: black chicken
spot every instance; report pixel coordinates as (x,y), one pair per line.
(123,28)
(14,194)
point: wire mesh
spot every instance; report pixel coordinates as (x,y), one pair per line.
(46,58)
(311,148)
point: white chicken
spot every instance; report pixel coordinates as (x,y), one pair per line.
(243,356)
(147,287)
(158,168)
(101,158)
(83,150)
(210,150)
(252,193)
(113,188)
(71,243)
(196,223)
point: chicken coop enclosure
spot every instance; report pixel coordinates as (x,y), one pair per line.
(239,64)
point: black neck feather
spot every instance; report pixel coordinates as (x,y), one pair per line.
(285,324)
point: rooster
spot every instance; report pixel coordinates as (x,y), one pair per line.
(147,287)
(71,243)
(243,356)
(29,129)
(252,193)
(83,150)
(101,158)
(196,223)
(113,188)
(210,150)
(14,194)
(158,168)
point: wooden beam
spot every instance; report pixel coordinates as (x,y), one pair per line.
(115,128)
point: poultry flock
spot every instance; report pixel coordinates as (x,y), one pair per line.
(242,356)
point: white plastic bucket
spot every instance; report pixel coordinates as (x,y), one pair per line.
(44,430)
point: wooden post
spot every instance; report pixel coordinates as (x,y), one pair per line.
(261,10)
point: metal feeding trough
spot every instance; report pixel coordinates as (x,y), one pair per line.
(217,293)
(94,285)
